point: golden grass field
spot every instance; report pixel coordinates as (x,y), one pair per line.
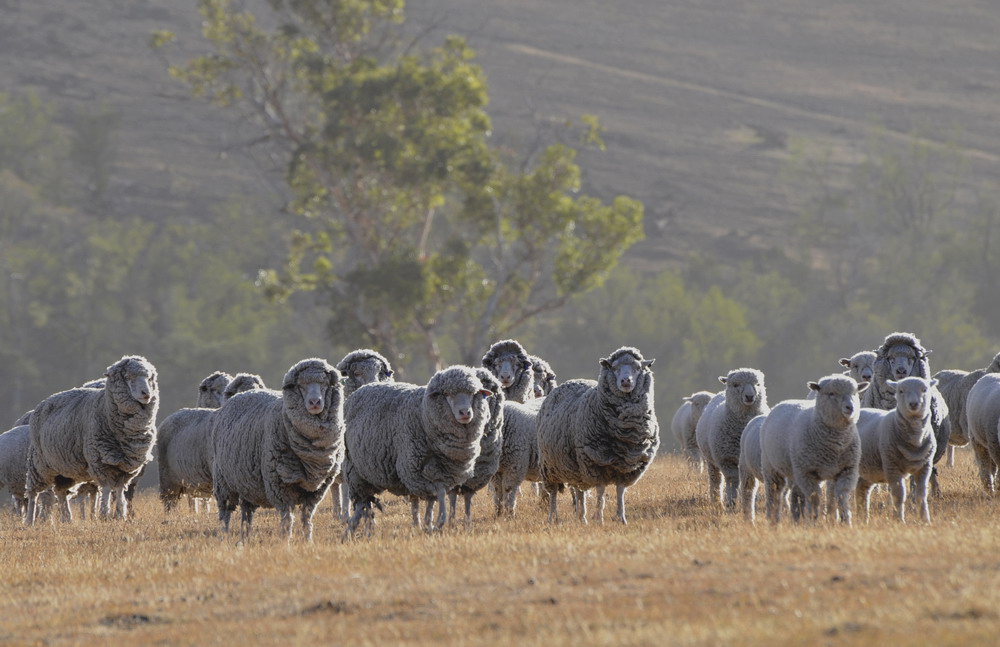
(681,573)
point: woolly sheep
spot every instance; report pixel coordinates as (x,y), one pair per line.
(750,470)
(490,446)
(954,386)
(13,465)
(184,440)
(982,413)
(544,379)
(596,433)
(280,449)
(519,457)
(685,421)
(898,443)
(102,435)
(806,442)
(359,367)
(509,361)
(413,441)
(721,424)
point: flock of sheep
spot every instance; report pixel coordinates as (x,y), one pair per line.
(350,428)
(353,429)
(886,420)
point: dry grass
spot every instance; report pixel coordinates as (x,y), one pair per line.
(680,573)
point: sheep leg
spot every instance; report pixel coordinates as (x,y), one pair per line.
(345,501)
(748,496)
(468,508)
(552,491)
(62,496)
(287,521)
(226,504)
(246,521)
(935,486)
(620,500)
(336,500)
(846,483)
(986,466)
(919,484)
(121,502)
(897,487)
(443,512)
(772,494)
(105,501)
(452,502)
(415,511)
(600,504)
(192,505)
(429,514)
(308,510)
(714,483)
(582,502)
(731,472)
(951,456)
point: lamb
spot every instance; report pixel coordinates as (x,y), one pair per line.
(954,386)
(519,456)
(544,379)
(280,449)
(490,446)
(806,442)
(103,435)
(898,443)
(184,443)
(684,423)
(509,361)
(982,413)
(860,366)
(596,433)
(413,441)
(750,470)
(721,424)
(359,367)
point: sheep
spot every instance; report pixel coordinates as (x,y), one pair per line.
(184,440)
(685,421)
(954,386)
(519,456)
(544,379)
(490,447)
(13,462)
(413,441)
(860,366)
(595,433)
(982,413)
(103,435)
(509,361)
(898,443)
(359,367)
(806,442)
(721,424)
(750,472)
(279,449)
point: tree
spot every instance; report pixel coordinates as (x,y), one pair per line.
(416,234)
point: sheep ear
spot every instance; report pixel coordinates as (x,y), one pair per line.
(933,382)
(890,386)
(814,386)
(686,398)
(389,372)
(845,362)
(723,379)
(605,363)
(863,387)
(485,393)
(927,351)
(648,362)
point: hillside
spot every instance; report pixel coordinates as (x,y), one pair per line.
(700,99)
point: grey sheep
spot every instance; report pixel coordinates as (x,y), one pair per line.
(490,446)
(101,435)
(509,362)
(954,386)
(413,441)
(898,443)
(751,473)
(982,414)
(519,457)
(359,367)
(901,355)
(13,466)
(544,378)
(807,442)
(280,449)
(721,425)
(685,421)
(184,440)
(597,433)
(212,390)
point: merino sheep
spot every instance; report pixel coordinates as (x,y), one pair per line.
(721,425)
(414,441)
(544,377)
(519,457)
(13,465)
(750,471)
(184,441)
(684,423)
(898,443)
(509,361)
(359,367)
(102,435)
(491,446)
(596,433)
(982,413)
(211,391)
(280,449)
(954,386)
(806,442)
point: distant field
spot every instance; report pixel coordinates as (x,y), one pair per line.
(679,573)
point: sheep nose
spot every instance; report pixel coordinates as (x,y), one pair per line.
(314,404)
(848,409)
(464,415)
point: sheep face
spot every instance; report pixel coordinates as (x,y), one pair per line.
(860,366)
(310,384)
(141,383)
(508,368)
(366,371)
(626,370)
(242,382)
(698,402)
(212,390)
(901,359)
(744,387)
(837,400)
(544,379)
(913,398)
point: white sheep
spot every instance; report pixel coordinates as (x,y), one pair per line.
(751,473)
(898,443)
(597,433)
(954,386)
(100,435)
(721,425)
(280,449)
(490,446)
(519,456)
(413,441)
(684,423)
(982,414)
(807,442)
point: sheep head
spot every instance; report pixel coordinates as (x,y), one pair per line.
(744,388)
(626,368)
(211,391)
(507,360)
(315,385)
(837,401)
